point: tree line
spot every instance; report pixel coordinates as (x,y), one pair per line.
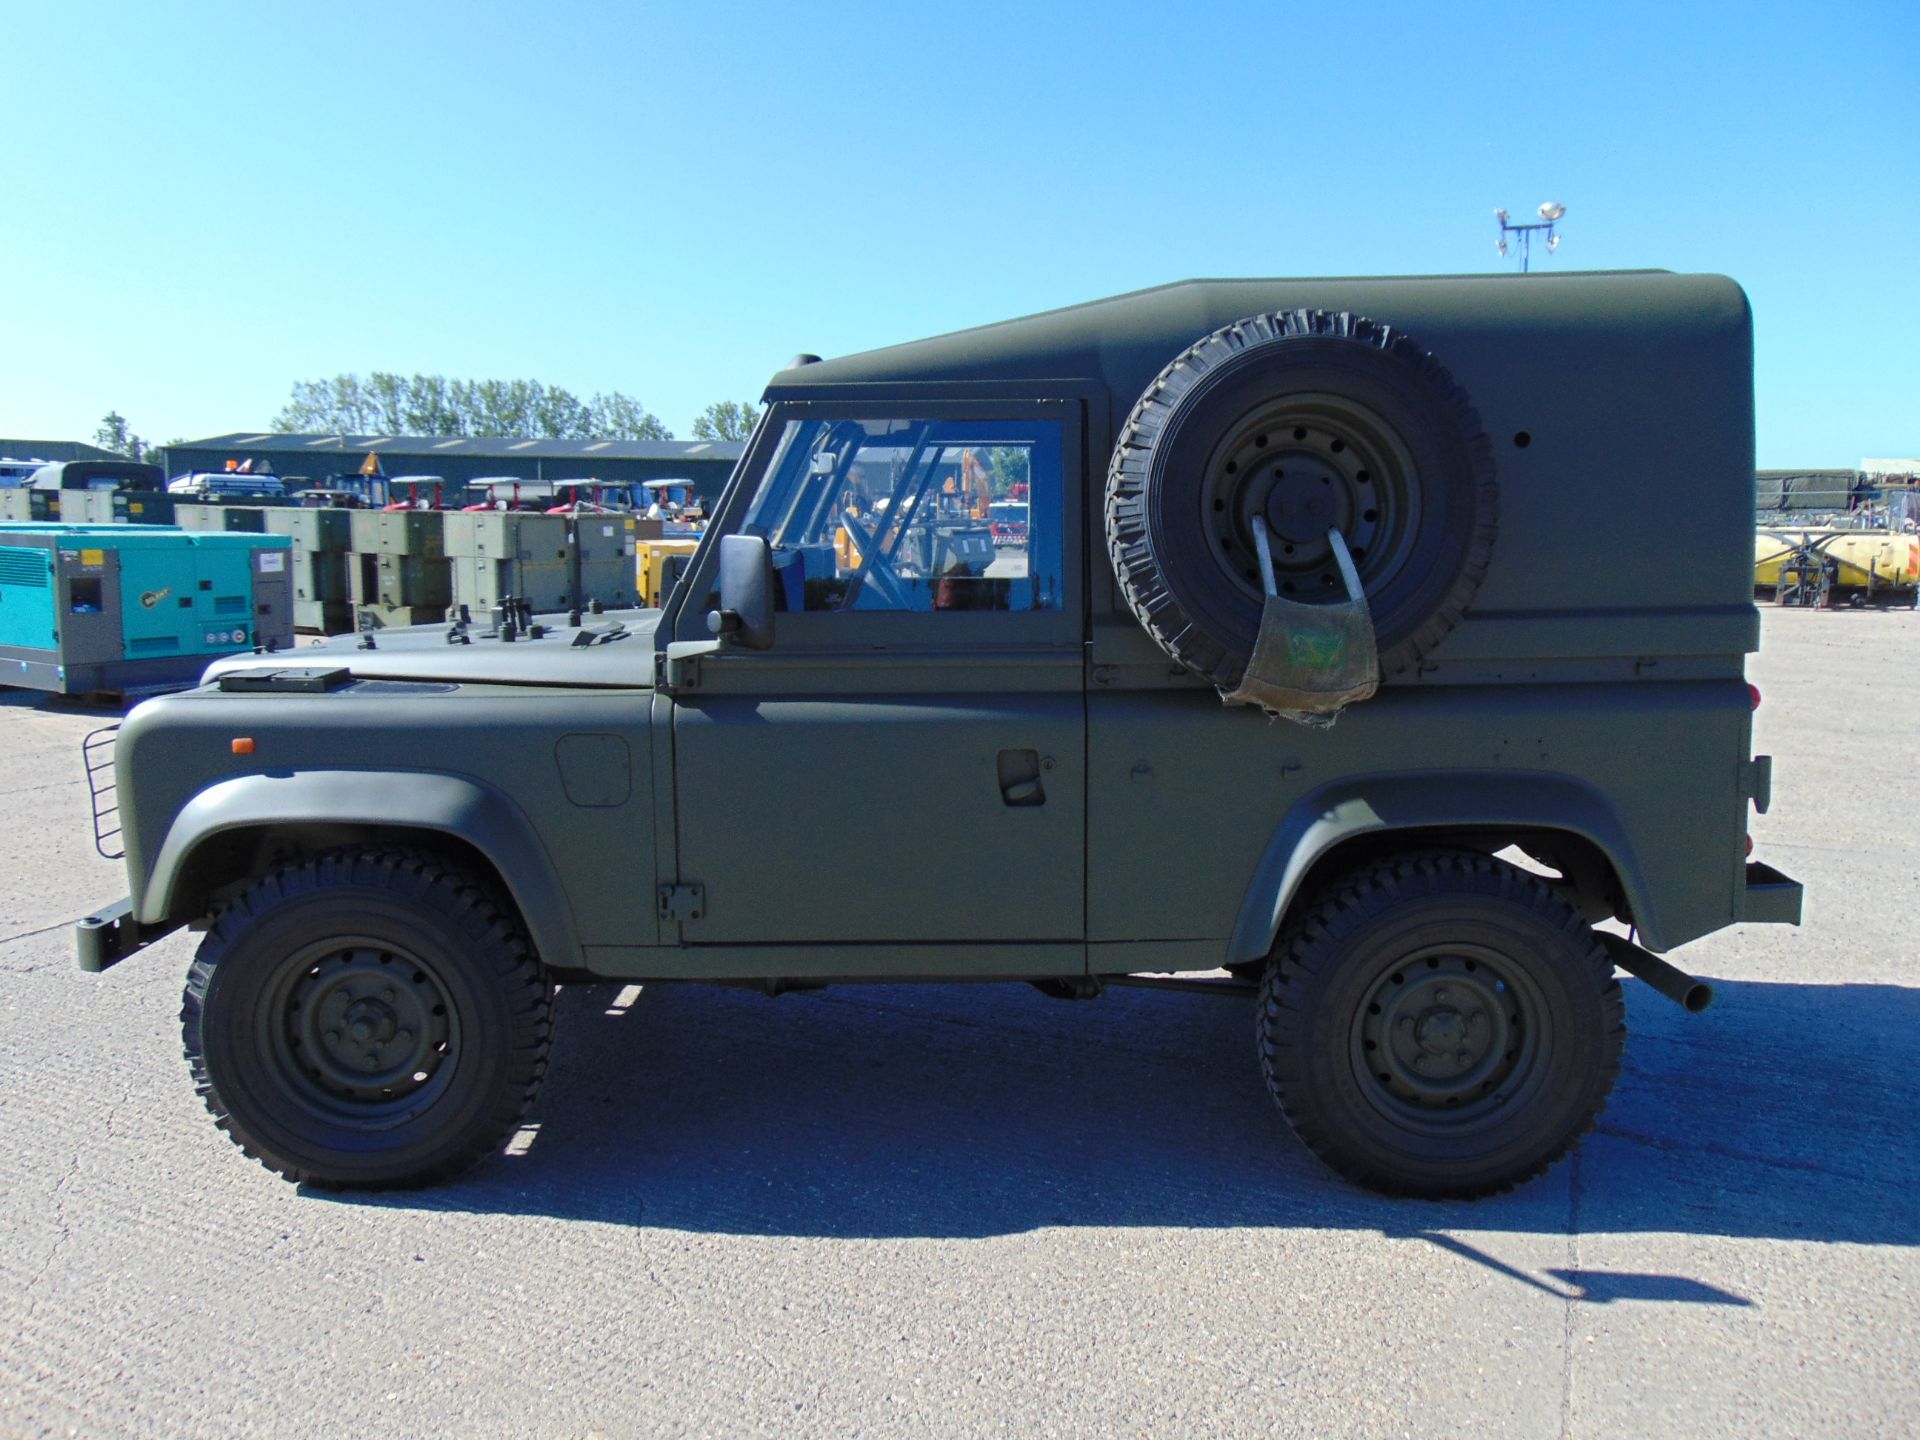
(389,404)
(384,403)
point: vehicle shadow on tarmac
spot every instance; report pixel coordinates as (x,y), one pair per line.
(1784,1112)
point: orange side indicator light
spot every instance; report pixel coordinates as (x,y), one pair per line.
(243,745)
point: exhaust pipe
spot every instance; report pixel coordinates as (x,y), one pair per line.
(1690,994)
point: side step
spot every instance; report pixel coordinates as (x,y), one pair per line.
(1088,987)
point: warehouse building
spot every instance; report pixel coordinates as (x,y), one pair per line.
(316,460)
(46,452)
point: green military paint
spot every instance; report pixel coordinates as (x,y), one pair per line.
(1006,571)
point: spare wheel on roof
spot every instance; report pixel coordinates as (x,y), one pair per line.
(1316,421)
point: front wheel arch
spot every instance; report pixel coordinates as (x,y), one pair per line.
(234,831)
(227,862)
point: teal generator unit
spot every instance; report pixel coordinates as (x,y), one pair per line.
(135,607)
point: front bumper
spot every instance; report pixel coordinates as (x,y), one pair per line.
(1770,897)
(111,934)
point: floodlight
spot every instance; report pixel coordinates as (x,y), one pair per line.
(1550,213)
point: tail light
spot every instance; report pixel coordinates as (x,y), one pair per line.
(1753,695)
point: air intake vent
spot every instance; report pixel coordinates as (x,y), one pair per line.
(150,644)
(23,567)
(229,604)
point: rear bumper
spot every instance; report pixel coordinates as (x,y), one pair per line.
(1770,897)
(111,934)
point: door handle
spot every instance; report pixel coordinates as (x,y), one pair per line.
(1020,778)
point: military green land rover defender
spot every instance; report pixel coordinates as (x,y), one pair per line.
(1371,641)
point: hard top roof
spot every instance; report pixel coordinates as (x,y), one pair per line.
(1125,340)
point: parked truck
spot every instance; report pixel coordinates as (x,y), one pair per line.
(1317,679)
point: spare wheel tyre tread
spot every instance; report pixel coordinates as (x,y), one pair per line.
(1383,382)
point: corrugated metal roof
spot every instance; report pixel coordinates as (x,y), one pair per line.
(52,450)
(478,445)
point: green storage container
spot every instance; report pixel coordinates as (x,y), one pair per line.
(322,598)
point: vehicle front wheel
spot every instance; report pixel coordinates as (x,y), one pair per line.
(367,1018)
(1442,1025)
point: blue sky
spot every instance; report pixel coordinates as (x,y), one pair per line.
(206,202)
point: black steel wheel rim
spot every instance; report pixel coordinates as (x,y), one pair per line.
(359,1032)
(1307,464)
(1447,1038)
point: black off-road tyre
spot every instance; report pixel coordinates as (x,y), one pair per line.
(368,1018)
(1441,1025)
(1314,420)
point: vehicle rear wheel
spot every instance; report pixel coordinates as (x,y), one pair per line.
(367,1018)
(1311,420)
(1441,1024)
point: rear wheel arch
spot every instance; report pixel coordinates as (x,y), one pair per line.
(1347,825)
(1584,875)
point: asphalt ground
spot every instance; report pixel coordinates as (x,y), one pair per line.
(893,1211)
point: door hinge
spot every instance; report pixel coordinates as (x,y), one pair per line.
(1756,782)
(680,666)
(681,903)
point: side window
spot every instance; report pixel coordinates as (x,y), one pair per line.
(914,515)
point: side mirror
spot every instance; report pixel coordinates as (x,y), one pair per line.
(746,593)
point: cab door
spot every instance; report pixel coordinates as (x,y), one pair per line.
(906,766)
